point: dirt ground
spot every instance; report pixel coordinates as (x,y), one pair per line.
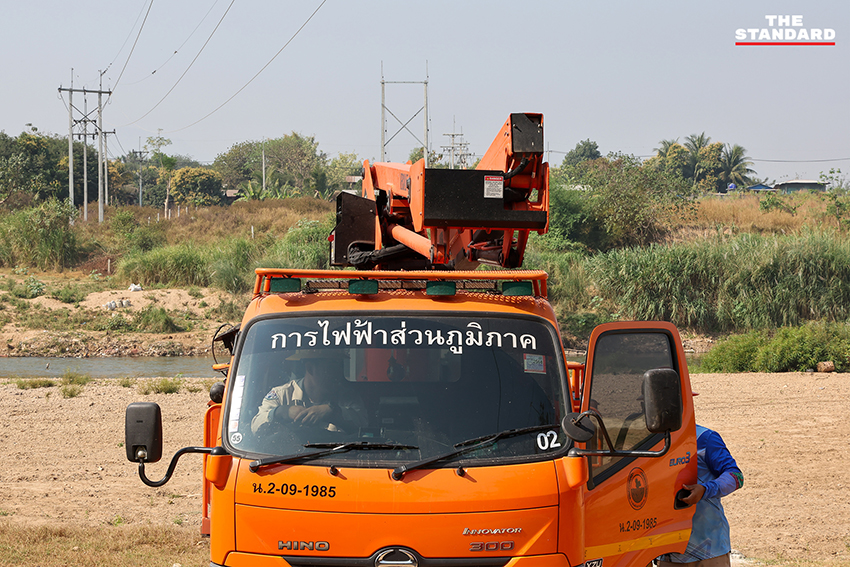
(18,340)
(63,460)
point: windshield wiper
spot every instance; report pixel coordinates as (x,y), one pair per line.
(330,449)
(468,446)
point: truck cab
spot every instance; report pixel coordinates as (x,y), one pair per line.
(455,432)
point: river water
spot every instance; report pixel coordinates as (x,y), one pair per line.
(133,367)
(110,367)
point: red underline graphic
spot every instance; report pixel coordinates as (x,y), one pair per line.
(784,43)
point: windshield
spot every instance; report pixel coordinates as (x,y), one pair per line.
(405,388)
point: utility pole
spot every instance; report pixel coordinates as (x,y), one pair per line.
(71,140)
(458,149)
(98,133)
(100,191)
(106,167)
(384,111)
(85,158)
(141,155)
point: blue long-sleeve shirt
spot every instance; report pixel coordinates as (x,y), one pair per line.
(718,472)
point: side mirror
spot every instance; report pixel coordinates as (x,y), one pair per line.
(143,432)
(217,392)
(662,400)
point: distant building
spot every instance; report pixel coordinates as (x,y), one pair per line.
(761,188)
(787,187)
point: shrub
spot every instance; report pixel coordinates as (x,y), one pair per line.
(70,390)
(161,386)
(69,294)
(155,320)
(71,377)
(788,349)
(32,383)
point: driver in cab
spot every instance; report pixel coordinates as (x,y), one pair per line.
(319,398)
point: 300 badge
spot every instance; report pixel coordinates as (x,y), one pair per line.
(491,546)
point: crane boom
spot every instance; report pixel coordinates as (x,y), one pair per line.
(412,217)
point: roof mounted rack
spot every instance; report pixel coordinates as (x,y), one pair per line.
(436,283)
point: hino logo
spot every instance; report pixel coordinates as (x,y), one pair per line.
(396,557)
(494,531)
(304,545)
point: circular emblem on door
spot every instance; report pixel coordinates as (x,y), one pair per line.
(396,557)
(638,488)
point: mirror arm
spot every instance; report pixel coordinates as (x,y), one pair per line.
(172,466)
(574,452)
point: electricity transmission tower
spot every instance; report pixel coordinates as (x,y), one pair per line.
(385,110)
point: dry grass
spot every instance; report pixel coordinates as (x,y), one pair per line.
(209,224)
(116,545)
(735,214)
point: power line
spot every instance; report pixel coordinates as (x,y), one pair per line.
(131,51)
(129,34)
(187,68)
(149,75)
(800,160)
(251,80)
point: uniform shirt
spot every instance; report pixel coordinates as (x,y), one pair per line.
(347,412)
(718,472)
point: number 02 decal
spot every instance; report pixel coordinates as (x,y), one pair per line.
(548,440)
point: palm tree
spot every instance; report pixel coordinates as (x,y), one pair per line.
(665,146)
(735,166)
(694,143)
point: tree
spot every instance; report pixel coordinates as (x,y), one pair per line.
(665,147)
(735,167)
(672,157)
(631,199)
(694,143)
(31,167)
(238,164)
(706,176)
(165,163)
(196,186)
(297,158)
(342,166)
(435,160)
(584,151)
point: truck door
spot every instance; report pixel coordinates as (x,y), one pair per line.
(630,501)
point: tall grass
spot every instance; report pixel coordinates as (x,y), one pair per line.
(182,264)
(723,284)
(39,237)
(305,245)
(228,263)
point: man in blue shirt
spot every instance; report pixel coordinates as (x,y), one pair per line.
(718,475)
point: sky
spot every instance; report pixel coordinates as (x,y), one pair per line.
(208,74)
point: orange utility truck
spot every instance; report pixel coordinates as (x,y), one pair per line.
(415,412)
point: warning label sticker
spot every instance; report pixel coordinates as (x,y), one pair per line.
(493,186)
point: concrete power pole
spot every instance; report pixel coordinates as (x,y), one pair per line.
(99,134)
(71,140)
(100,191)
